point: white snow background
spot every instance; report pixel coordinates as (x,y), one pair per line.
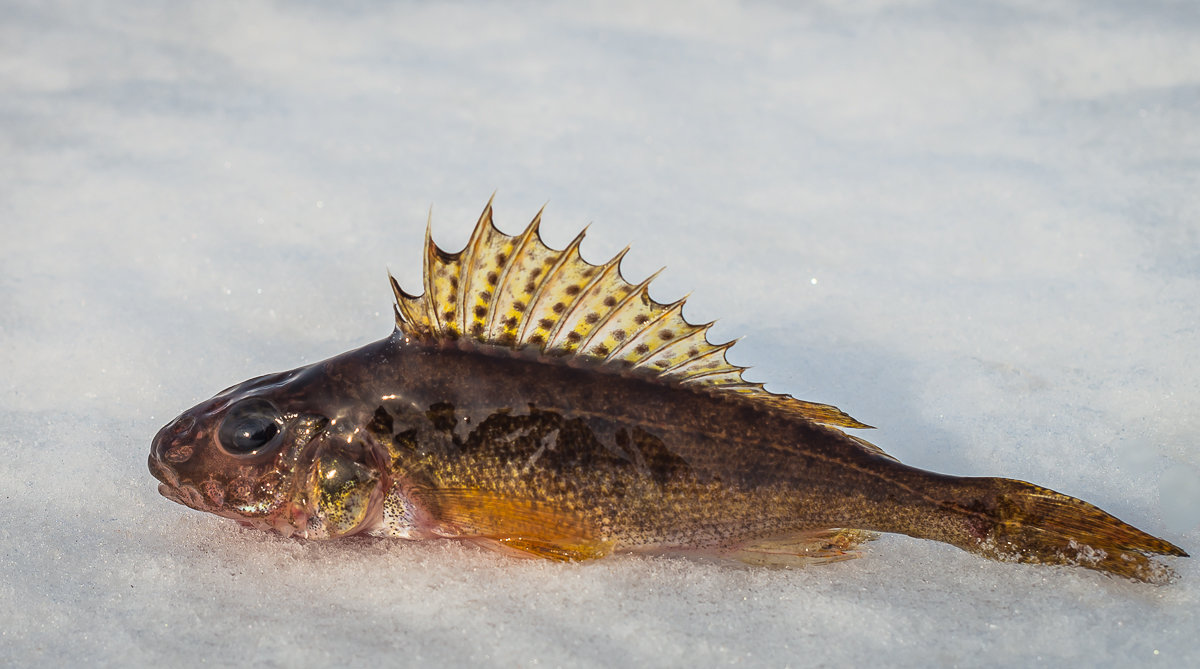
(973,225)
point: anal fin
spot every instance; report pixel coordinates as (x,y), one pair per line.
(558,550)
(802,549)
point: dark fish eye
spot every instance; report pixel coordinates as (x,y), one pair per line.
(249,427)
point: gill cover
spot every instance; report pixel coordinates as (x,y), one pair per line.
(345,489)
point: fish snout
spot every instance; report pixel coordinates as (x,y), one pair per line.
(172,445)
(171,449)
(171,442)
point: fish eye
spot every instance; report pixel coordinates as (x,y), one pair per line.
(249,427)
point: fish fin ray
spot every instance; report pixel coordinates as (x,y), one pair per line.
(442,274)
(803,549)
(412,316)
(508,524)
(557,551)
(872,448)
(1015,521)
(514,291)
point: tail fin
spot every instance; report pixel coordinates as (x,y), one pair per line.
(1015,521)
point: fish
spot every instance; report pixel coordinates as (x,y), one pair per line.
(539,405)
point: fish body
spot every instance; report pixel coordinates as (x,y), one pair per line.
(542,406)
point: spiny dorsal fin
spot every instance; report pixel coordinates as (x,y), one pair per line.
(516,292)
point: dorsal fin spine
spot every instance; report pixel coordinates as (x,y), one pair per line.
(616,308)
(411,312)
(552,336)
(596,280)
(547,280)
(469,260)
(717,350)
(642,290)
(716,372)
(706,377)
(530,232)
(676,305)
(427,274)
(699,331)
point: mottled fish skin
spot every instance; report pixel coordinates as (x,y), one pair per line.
(458,427)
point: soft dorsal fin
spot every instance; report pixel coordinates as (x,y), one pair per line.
(516,292)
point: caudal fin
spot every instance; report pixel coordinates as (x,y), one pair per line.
(1015,521)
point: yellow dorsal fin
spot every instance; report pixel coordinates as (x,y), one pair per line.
(516,292)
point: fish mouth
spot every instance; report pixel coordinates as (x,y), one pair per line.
(170,485)
(174,489)
(162,450)
(161,471)
(188,496)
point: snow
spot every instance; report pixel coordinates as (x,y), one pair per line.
(974,226)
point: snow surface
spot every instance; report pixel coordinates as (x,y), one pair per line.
(974,225)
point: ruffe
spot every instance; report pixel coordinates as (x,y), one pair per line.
(538,404)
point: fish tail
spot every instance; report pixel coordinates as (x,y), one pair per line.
(1015,521)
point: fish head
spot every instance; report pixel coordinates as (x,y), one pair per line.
(262,454)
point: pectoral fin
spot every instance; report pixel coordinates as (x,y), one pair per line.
(514,526)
